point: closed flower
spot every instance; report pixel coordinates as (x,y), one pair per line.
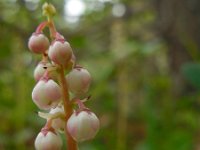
(83,125)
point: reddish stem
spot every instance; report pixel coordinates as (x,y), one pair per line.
(41,27)
(48,128)
(71,144)
(80,104)
(45,57)
(52,29)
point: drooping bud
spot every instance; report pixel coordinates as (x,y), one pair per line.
(60,52)
(58,123)
(83,125)
(38,43)
(78,80)
(46,94)
(48,140)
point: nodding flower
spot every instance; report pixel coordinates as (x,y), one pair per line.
(46,94)
(38,43)
(83,125)
(79,80)
(48,140)
(60,52)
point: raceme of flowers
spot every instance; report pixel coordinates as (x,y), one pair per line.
(47,94)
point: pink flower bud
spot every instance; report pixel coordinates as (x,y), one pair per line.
(46,94)
(60,52)
(40,70)
(83,125)
(38,43)
(58,123)
(48,141)
(78,80)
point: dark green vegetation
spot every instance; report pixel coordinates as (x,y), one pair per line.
(145,68)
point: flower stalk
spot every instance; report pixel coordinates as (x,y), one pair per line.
(72,145)
(53,86)
(49,10)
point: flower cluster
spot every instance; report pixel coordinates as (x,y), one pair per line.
(51,92)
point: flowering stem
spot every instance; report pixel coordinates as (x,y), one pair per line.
(49,11)
(71,144)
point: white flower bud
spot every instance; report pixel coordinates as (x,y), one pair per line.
(38,43)
(60,52)
(46,94)
(78,80)
(83,125)
(48,141)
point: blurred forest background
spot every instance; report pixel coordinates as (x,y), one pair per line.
(144,58)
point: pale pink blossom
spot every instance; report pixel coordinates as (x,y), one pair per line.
(60,52)
(46,94)
(48,141)
(38,43)
(83,125)
(78,80)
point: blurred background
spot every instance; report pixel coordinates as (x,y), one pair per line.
(144,59)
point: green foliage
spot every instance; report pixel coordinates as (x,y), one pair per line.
(191,71)
(133,77)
